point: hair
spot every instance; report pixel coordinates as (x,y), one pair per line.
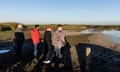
(36,26)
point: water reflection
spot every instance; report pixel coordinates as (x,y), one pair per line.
(4,51)
(113,35)
(87,31)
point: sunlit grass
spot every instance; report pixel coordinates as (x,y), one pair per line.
(74,40)
(6,35)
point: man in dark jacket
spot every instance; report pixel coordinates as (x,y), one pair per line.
(48,44)
(19,39)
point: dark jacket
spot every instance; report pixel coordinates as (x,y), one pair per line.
(19,35)
(47,37)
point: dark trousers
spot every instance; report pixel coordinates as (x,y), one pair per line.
(18,47)
(48,51)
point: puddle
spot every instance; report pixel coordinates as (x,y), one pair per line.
(4,51)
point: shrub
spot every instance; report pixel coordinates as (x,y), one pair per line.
(8,26)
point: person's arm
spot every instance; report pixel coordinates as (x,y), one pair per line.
(39,35)
(54,38)
(62,37)
(23,37)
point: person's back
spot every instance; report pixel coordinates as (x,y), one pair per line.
(19,36)
(19,39)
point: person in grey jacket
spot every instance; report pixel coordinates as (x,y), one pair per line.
(58,41)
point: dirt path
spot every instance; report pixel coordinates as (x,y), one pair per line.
(75,62)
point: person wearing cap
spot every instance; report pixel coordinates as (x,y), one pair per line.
(35,34)
(19,39)
(48,44)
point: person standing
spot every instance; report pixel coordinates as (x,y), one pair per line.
(48,44)
(19,39)
(35,34)
(58,41)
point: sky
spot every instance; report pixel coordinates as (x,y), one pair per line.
(60,11)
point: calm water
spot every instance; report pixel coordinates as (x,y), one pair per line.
(87,31)
(113,35)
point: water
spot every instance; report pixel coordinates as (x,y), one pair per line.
(87,31)
(113,35)
(4,51)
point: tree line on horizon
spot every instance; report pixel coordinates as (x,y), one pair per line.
(11,26)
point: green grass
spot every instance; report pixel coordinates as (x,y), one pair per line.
(74,40)
(6,35)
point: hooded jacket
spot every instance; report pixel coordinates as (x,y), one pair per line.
(35,36)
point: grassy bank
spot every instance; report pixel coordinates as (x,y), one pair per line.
(6,35)
(74,40)
(11,26)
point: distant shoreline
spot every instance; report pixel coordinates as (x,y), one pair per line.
(103,40)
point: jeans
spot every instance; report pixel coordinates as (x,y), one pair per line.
(35,50)
(58,52)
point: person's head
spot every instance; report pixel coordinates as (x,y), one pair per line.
(59,27)
(48,28)
(20,26)
(36,26)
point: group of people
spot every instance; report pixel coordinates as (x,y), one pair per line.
(54,41)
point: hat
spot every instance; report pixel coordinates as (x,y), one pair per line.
(48,27)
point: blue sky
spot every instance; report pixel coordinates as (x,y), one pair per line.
(60,11)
